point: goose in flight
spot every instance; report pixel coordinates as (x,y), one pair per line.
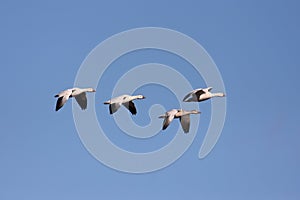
(78,93)
(183,115)
(125,100)
(201,95)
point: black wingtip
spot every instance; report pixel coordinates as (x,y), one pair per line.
(59,104)
(133,112)
(57,108)
(110,110)
(56,95)
(164,127)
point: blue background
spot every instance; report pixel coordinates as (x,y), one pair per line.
(255,45)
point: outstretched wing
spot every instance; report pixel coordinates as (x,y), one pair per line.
(209,89)
(114,107)
(81,100)
(187,96)
(130,106)
(62,98)
(185,123)
(194,95)
(169,118)
(60,102)
(167,121)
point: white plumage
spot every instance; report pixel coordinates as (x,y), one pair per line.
(183,115)
(78,93)
(125,100)
(201,94)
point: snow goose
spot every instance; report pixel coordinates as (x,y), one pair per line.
(201,95)
(125,100)
(183,115)
(78,93)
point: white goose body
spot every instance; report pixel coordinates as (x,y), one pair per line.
(78,93)
(125,100)
(183,115)
(201,94)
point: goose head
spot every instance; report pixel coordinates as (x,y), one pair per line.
(90,90)
(195,112)
(140,97)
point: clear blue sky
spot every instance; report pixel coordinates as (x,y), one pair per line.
(255,45)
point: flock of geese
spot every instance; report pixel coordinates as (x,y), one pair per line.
(196,95)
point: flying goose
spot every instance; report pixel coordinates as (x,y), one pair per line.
(201,95)
(183,115)
(78,93)
(125,100)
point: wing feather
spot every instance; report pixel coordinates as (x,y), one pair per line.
(62,98)
(81,100)
(167,121)
(187,96)
(185,123)
(60,102)
(131,107)
(114,107)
